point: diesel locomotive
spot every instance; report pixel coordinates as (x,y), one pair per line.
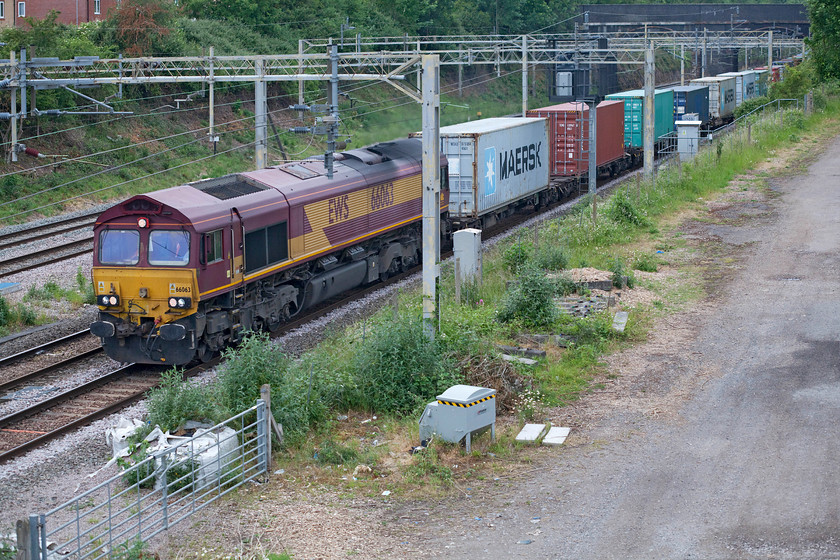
(181,273)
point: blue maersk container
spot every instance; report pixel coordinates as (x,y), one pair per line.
(691,99)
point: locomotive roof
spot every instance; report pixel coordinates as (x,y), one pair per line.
(204,200)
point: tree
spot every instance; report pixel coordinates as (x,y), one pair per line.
(144,28)
(825,37)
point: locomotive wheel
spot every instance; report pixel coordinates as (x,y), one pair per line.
(204,353)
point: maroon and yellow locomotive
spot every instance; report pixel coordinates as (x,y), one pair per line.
(181,273)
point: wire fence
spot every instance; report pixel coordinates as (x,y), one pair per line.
(146,499)
(688,141)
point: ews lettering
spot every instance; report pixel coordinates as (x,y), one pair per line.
(381,196)
(339,208)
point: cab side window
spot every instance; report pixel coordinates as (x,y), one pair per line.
(212,246)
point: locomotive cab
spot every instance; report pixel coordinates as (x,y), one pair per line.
(144,279)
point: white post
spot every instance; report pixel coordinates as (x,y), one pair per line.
(593,147)
(431,190)
(770,52)
(212,88)
(260,109)
(524,75)
(650,69)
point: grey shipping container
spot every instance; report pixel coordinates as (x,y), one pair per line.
(744,85)
(721,95)
(493,162)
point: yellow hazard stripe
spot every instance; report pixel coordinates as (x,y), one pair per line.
(462,405)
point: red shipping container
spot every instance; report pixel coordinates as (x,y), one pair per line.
(568,132)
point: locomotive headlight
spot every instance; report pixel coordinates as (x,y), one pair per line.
(179,303)
(142,222)
(108,300)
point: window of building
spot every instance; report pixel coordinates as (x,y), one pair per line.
(97,4)
(2,10)
(266,246)
(21,9)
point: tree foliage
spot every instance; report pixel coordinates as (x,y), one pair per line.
(825,37)
(145,28)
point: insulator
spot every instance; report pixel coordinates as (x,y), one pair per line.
(300,129)
(33,152)
(299,107)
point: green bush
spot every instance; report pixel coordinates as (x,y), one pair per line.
(645,262)
(621,210)
(530,301)
(5,312)
(515,256)
(750,105)
(175,401)
(551,256)
(619,273)
(565,286)
(397,369)
(257,361)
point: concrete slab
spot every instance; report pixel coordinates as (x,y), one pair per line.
(620,321)
(9,287)
(526,361)
(556,436)
(530,432)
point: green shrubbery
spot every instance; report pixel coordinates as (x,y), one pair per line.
(397,369)
(530,301)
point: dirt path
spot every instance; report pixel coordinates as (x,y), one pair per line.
(719,437)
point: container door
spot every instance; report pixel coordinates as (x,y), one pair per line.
(460,154)
(634,121)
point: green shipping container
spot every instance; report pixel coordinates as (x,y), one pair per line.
(634,115)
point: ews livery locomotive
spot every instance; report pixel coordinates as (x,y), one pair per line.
(181,273)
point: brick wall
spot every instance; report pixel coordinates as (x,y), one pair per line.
(71,11)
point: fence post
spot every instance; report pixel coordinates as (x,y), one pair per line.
(749,133)
(22,530)
(34,540)
(265,426)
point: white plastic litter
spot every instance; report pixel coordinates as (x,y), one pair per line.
(116,437)
(210,450)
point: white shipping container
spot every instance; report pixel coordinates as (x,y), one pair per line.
(493,162)
(745,86)
(721,95)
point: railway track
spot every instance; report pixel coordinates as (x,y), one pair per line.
(29,428)
(45,257)
(44,231)
(36,425)
(47,359)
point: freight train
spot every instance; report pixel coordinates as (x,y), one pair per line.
(182,273)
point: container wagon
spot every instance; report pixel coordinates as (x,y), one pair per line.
(721,97)
(634,115)
(744,85)
(762,82)
(568,132)
(691,99)
(495,166)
